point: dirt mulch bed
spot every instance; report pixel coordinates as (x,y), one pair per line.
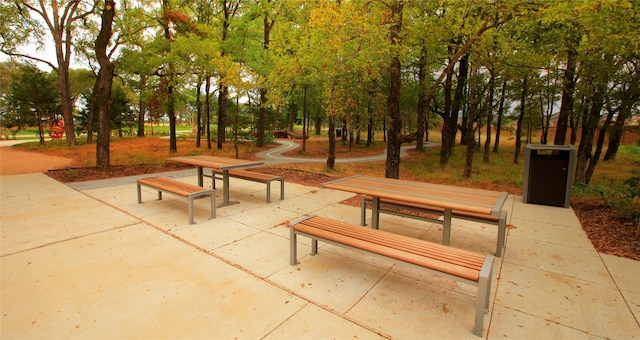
(71,175)
(608,233)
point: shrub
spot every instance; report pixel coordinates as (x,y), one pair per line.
(625,198)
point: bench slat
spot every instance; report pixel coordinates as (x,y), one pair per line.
(178,188)
(249,175)
(491,218)
(252,175)
(449,262)
(189,191)
(459,262)
(457,256)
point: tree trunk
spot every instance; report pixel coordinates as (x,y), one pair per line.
(167,83)
(62,37)
(262,113)
(357,128)
(318,125)
(487,142)
(422,97)
(292,115)
(523,97)
(92,110)
(198,111)
(207,110)
(566,106)
(370,135)
(392,167)
(474,102)
(65,98)
(223,94)
(615,137)
(574,120)
(590,122)
(503,95)
(304,119)
(105,82)
(331,159)
(262,118)
(143,105)
(630,98)
(602,131)
(546,120)
(343,127)
(171,110)
(448,123)
(450,127)
(40,127)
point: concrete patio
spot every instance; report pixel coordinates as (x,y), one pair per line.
(87,261)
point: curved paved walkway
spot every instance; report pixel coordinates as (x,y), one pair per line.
(275,156)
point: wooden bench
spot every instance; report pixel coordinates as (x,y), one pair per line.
(254,177)
(462,265)
(499,220)
(191,192)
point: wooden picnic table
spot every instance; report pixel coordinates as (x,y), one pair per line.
(222,164)
(446,197)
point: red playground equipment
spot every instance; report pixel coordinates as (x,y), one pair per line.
(56,129)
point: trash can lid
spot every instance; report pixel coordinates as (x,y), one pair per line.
(550,147)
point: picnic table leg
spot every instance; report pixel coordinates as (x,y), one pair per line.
(375,212)
(225,186)
(225,189)
(446,227)
(200,175)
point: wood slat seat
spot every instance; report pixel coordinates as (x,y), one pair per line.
(254,177)
(191,192)
(462,265)
(499,220)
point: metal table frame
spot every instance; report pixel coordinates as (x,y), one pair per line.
(446,197)
(218,163)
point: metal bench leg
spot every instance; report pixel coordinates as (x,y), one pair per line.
(293,247)
(446,227)
(502,233)
(484,294)
(268,191)
(282,189)
(213,204)
(314,246)
(190,199)
(139,193)
(375,213)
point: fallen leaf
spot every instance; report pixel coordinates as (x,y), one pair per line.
(285,223)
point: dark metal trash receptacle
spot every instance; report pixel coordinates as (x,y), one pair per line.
(548,174)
